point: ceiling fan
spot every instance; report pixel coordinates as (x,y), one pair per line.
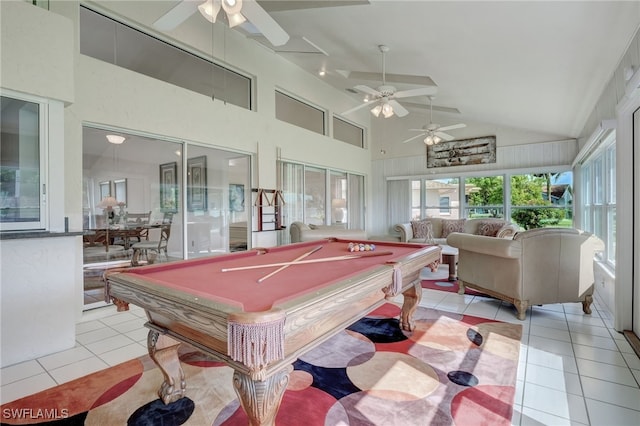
(237,12)
(385,96)
(434,133)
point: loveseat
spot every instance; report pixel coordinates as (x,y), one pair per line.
(299,232)
(538,266)
(415,231)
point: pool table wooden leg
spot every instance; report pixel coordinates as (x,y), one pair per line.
(261,399)
(164,352)
(412,297)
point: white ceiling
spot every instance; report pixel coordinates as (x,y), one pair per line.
(532,65)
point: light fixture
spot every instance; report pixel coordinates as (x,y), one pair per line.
(115,139)
(210,9)
(376,110)
(387,110)
(432,139)
(107,202)
(322,73)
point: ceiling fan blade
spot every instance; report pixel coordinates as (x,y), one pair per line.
(420,91)
(280,5)
(417,130)
(362,105)
(264,23)
(390,78)
(398,109)
(177,15)
(368,90)
(453,126)
(443,136)
(412,138)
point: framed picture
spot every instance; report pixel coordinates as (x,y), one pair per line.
(236,197)
(462,152)
(169,187)
(197,183)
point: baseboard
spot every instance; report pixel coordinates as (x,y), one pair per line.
(633,340)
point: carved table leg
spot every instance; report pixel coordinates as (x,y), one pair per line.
(135,257)
(586,304)
(261,399)
(412,297)
(164,352)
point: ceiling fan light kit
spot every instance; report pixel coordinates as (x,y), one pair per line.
(385,95)
(434,133)
(210,9)
(432,140)
(237,11)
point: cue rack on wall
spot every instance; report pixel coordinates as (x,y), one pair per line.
(269,204)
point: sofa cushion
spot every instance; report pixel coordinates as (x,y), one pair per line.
(452,225)
(421,228)
(490,228)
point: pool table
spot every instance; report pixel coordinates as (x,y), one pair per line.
(220,305)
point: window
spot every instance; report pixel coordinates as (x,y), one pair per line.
(338,192)
(299,113)
(315,194)
(444,205)
(441,198)
(320,197)
(22,164)
(484,196)
(540,200)
(108,40)
(347,132)
(598,190)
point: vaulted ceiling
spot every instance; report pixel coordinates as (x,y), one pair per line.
(532,65)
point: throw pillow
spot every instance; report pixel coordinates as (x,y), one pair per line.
(449,226)
(490,228)
(420,228)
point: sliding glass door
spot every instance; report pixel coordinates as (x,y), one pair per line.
(148,199)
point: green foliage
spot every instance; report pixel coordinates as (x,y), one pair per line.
(487,191)
(537,217)
(526,189)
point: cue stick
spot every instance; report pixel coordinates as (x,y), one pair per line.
(303,262)
(286,266)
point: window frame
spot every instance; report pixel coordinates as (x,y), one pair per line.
(178,47)
(598,190)
(287,94)
(361,142)
(43,149)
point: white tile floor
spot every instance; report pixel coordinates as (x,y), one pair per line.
(574,369)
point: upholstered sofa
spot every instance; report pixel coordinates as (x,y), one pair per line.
(536,267)
(299,231)
(414,232)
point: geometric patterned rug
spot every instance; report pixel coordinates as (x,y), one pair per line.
(453,369)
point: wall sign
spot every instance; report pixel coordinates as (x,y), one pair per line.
(462,152)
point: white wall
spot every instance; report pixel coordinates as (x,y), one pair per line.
(41,288)
(41,278)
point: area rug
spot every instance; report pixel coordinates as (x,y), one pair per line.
(453,369)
